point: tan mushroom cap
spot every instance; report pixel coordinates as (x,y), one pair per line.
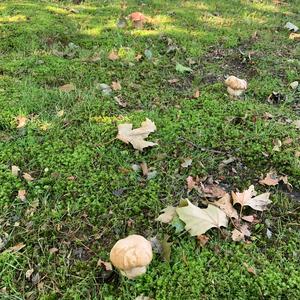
(235,83)
(132,255)
(137,16)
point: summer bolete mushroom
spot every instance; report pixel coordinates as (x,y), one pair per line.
(137,19)
(131,255)
(235,86)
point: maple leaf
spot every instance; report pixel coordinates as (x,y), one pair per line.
(136,136)
(198,221)
(246,198)
(168,214)
(225,204)
(67,87)
(22,120)
(270,179)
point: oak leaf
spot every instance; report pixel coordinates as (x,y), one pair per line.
(247,198)
(198,221)
(136,137)
(225,204)
(168,214)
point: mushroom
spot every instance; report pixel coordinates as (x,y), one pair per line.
(137,19)
(235,86)
(131,255)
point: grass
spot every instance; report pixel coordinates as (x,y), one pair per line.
(76,204)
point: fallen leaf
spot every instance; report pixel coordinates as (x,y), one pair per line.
(113,55)
(240,234)
(294,36)
(271,179)
(22,195)
(138,57)
(28,273)
(196,94)
(116,86)
(181,69)
(198,221)
(290,26)
(67,87)
(144,168)
(17,247)
(27,177)
(268,116)
(22,120)
(297,154)
(120,101)
(277,145)
(15,170)
(212,190)
(104,264)
(225,205)
(191,183)
(250,269)
(187,162)
(168,214)
(249,219)
(172,81)
(287,141)
(166,249)
(246,198)
(136,136)
(60,113)
(294,84)
(297,124)
(53,250)
(202,239)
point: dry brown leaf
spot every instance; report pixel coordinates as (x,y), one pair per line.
(22,195)
(120,101)
(249,219)
(104,264)
(191,183)
(202,239)
(196,94)
(198,221)
(27,177)
(294,36)
(271,179)
(212,190)
(116,86)
(136,137)
(246,198)
(67,87)
(15,170)
(225,204)
(53,250)
(138,57)
(168,214)
(21,120)
(187,162)
(144,168)
(240,234)
(17,247)
(113,55)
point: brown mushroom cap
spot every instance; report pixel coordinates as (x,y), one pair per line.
(132,252)
(235,83)
(136,16)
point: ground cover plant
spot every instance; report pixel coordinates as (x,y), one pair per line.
(72,74)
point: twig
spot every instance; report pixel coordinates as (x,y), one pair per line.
(201,148)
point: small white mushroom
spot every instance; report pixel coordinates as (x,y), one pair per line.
(235,86)
(131,255)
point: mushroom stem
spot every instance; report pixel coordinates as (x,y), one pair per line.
(134,272)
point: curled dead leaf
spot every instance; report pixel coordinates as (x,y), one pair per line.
(225,204)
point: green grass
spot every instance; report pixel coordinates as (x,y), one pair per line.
(83,217)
